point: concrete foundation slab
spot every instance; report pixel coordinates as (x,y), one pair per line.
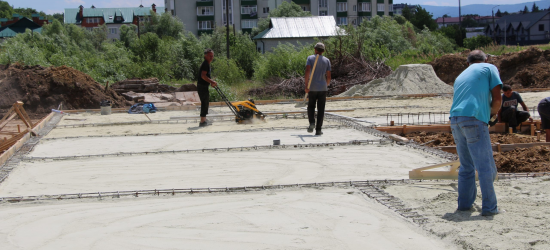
(197,170)
(289,219)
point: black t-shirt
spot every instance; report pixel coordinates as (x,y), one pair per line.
(513,101)
(205,66)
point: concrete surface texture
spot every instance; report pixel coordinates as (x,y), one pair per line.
(109,145)
(524,225)
(292,219)
(223,169)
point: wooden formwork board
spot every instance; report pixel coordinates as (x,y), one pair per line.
(425,174)
(23,137)
(500,127)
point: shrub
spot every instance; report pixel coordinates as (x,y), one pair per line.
(477,42)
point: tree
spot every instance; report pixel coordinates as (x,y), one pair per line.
(525,10)
(407,13)
(286,9)
(498,14)
(477,42)
(454,33)
(57,16)
(446,15)
(469,22)
(6,11)
(423,18)
(505,13)
(535,8)
(163,25)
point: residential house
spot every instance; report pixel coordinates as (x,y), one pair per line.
(18,24)
(447,21)
(113,18)
(522,29)
(209,14)
(296,30)
(398,8)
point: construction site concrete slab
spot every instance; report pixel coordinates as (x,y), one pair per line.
(180,127)
(331,218)
(524,225)
(214,169)
(118,144)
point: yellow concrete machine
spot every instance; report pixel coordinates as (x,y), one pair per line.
(245,111)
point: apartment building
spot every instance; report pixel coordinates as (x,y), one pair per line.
(202,16)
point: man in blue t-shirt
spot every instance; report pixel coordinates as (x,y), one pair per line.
(476,98)
(318,90)
(509,110)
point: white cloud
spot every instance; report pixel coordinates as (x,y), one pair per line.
(424,3)
(75,1)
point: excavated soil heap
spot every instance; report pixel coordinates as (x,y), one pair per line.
(42,89)
(535,159)
(446,139)
(525,69)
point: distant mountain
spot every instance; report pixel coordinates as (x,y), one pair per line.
(481,9)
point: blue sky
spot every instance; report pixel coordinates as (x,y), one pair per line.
(56,6)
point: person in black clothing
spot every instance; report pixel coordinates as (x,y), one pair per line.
(544,112)
(509,109)
(204,82)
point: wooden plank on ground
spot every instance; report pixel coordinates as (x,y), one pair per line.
(503,147)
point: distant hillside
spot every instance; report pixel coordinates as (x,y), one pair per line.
(481,9)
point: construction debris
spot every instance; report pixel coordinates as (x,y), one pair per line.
(138,85)
(407,79)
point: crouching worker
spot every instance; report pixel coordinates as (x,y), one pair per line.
(509,111)
(204,82)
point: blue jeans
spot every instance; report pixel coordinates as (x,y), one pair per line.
(475,152)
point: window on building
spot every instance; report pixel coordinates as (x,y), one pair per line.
(266,10)
(365,7)
(94,19)
(204,25)
(342,21)
(89,28)
(541,27)
(249,24)
(354,8)
(249,9)
(341,7)
(323,13)
(323,3)
(113,31)
(118,18)
(380,7)
(205,11)
(224,12)
(390,7)
(304,8)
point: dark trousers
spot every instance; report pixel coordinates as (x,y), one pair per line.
(514,117)
(544,112)
(204,96)
(319,98)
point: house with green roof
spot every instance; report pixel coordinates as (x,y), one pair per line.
(113,18)
(18,24)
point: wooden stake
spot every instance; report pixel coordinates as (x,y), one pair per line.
(18,128)
(532,129)
(510,130)
(538,135)
(392,123)
(538,125)
(499,149)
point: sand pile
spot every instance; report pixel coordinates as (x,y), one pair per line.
(407,79)
(42,89)
(525,69)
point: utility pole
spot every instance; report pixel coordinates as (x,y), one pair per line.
(227,25)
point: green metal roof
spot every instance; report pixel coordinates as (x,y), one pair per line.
(71,14)
(19,27)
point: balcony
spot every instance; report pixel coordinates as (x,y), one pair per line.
(301,1)
(205,3)
(249,2)
(205,18)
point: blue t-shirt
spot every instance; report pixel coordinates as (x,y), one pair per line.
(319,79)
(472,91)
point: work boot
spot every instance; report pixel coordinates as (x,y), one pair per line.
(310,128)
(318,132)
(203,124)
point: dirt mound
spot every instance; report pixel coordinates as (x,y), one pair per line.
(407,79)
(138,85)
(42,89)
(525,69)
(433,139)
(533,159)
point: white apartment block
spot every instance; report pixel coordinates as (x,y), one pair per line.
(202,16)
